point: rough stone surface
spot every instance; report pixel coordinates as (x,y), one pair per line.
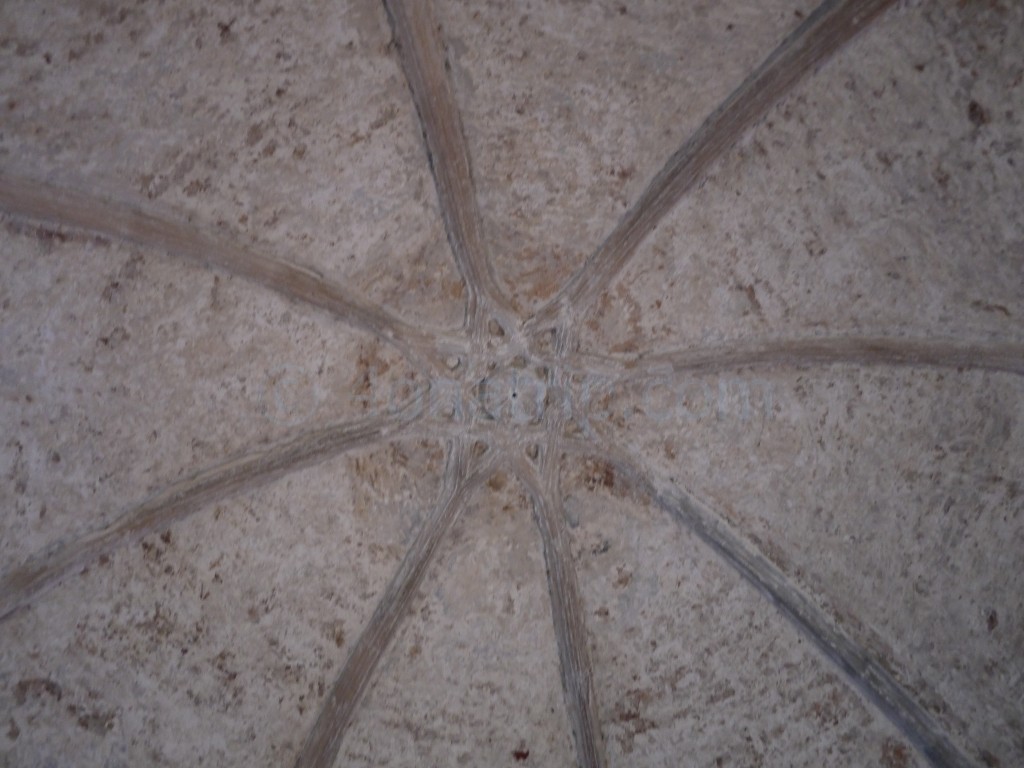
(212,643)
(473,678)
(882,197)
(289,126)
(123,372)
(569,111)
(693,664)
(828,475)
(898,214)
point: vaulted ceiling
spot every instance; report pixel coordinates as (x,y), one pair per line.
(536,383)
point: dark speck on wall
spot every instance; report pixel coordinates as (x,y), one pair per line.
(976,113)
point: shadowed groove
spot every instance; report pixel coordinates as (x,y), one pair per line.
(860,667)
(65,207)
(179,500)
(323,742)
(1001,356)
(824,31)
(567,614)
(421,50)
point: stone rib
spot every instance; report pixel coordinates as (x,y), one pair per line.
(323,742)
(60,206)
(423,59)
(830,26)
(864,671)
(1001,356)
(568,615)
(179,500)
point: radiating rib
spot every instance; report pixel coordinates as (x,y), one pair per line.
(423,59)
(177,501)
(860,666)
(831,25)
(568,615)
(1004,356)
(323,742)
(64,207)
